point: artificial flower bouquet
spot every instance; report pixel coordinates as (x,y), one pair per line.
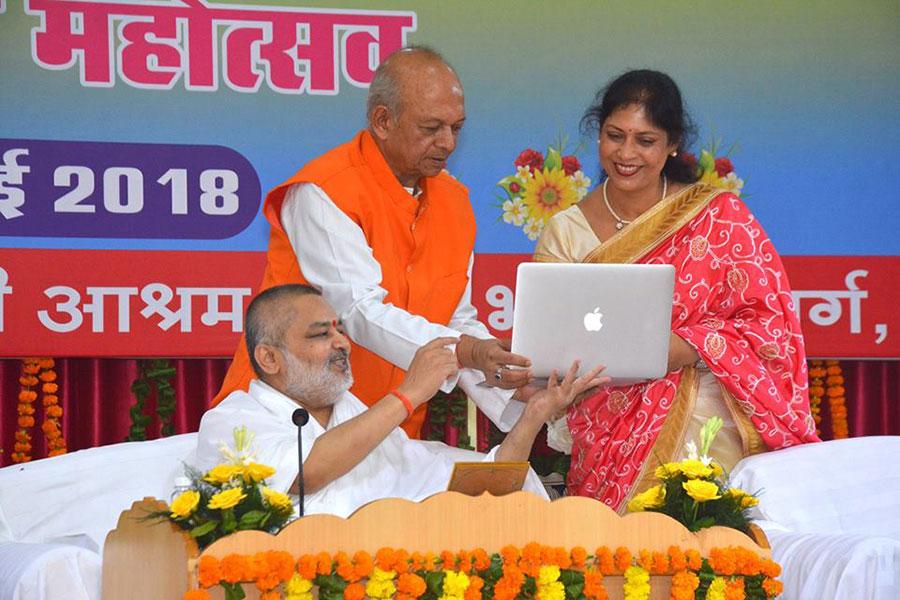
(717,171)
(694,491)
(232,496)
(542,185)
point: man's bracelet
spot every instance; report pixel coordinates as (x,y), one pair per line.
(402,398)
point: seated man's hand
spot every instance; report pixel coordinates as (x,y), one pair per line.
(552,401)
(493,358)
(432,364)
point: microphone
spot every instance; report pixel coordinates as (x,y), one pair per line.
(300,418)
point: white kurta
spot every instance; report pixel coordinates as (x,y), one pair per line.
(397,468)
(337,260)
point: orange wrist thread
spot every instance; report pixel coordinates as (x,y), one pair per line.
(403,398)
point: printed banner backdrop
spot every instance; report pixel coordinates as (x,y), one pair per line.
(137,139)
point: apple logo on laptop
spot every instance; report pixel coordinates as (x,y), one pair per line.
(593,321)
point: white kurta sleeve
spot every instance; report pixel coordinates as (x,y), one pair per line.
(336,258)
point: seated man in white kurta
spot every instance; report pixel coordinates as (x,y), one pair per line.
(351,454)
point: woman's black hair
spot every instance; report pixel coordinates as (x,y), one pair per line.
(661,99)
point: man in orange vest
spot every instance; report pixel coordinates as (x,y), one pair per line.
(387,235)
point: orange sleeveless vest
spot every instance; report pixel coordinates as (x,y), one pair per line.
(423,247)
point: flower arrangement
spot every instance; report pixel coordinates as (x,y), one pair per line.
(717,171)
(542,185)
(38,374)
(693,491)
(231,496)
(533,571)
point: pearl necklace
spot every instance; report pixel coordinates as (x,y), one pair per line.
(620,222)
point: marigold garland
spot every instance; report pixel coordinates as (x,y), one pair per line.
(536,571)
(25,410)
(53,412)
(817,374)
(837,401)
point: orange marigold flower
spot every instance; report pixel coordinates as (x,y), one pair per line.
(46,363)
(196,595)
(50,400)
(561,558)
(734,589)
(306,566)
(770,568)
(579,556)
(30,368)
(684,584)
(401,561)
(694,560)
(49,427)
(21,447)
(448,560)
(645,560)
(473,592)
(510,555)
(834,392)
(49,388)
(411,584)
(605,561)
(481,559)
(25,421)
(384,559)
(271,595)
(209,572)
(354,591)
(54,412)
(235,568)
(593,585)
(47,376)
(28,380)
(660,564)
(417,561)
(622,558)
(282,563)
(323,563)
(772,587)
(22,436)
(27,396)
(362,564)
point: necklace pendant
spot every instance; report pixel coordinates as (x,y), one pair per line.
(619,225)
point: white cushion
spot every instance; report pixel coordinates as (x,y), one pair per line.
(48,572)
(842,486)
(82,493)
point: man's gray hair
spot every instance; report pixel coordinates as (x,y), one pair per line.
(269,317)
(385,87)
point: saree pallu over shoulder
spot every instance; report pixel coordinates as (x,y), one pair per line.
(740,322)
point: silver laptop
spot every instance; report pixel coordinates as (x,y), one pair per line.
(614,315)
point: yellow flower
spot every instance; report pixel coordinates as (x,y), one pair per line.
(637,583)
(280,502)
(746,500)
(695,469)
(716,589)
(700,490)
(381,584)
(717,469)
(455,584)
(667,470)
(298,588)
(255,472)
(548,574)
(547,193)
(226,499)
(548,585)
(185,504)
(222,473)
(652,498)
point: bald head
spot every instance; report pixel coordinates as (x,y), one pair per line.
(394,75)
(415,111)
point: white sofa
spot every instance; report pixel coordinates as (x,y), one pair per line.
(831,512)
(55,513)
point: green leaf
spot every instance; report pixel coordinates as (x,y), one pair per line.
(707,161)
(434,582)
(251,519)
(233,591)
(553,160)
(201,530)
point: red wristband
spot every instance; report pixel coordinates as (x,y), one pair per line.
(402,398)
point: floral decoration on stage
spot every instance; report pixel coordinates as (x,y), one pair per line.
(694,491)
(542,185)
(38,374)
(232,496)
(547,183)
(533,571)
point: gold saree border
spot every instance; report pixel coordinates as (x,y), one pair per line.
(670,440)
(655,225)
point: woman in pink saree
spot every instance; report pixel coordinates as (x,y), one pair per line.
(736,349)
